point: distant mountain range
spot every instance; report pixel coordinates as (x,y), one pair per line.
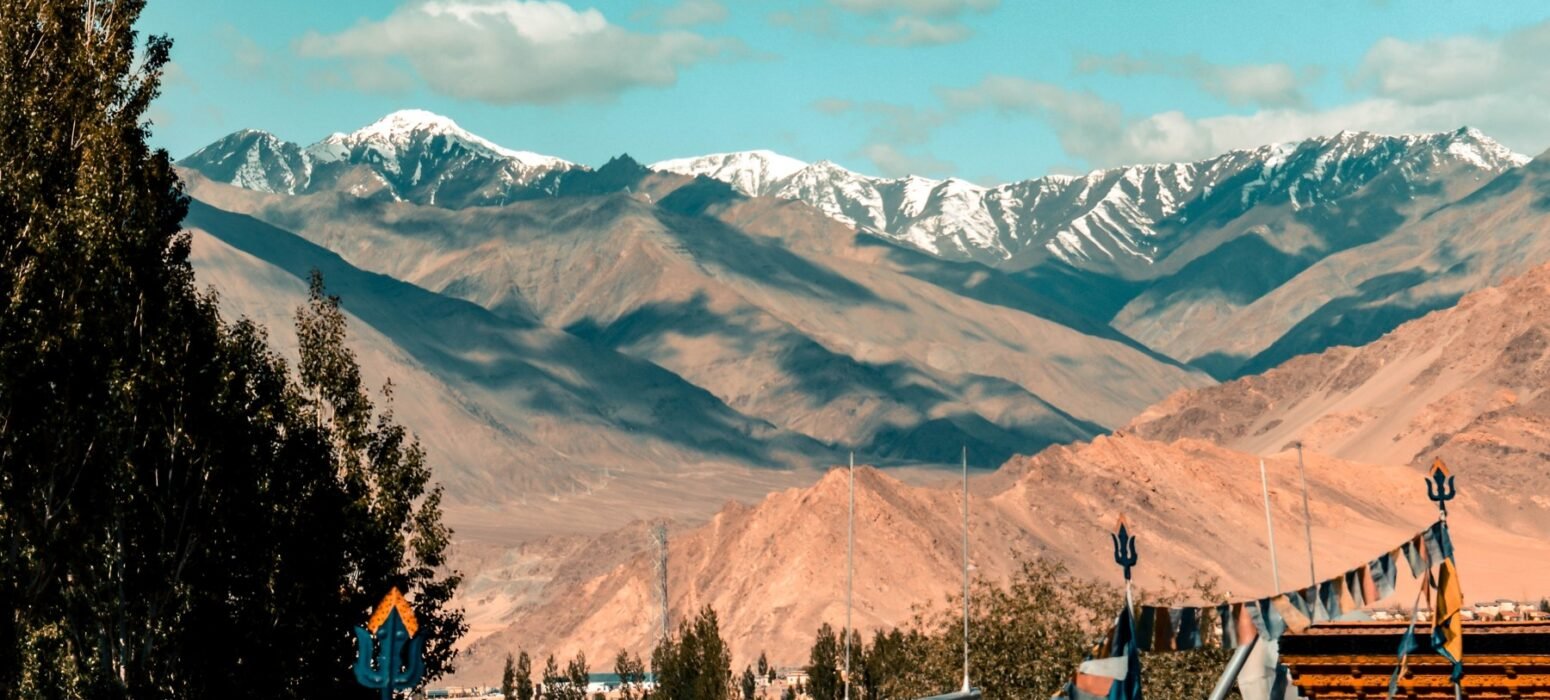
(902,318)
(582,348)
(619,324)
(1120,220)
(1181,257)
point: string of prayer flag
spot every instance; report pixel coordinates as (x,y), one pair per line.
(1178,628)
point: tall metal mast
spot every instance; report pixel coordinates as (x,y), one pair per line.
(659,536)
(1270,530)
(850,545)
(966,569)
(1307,520)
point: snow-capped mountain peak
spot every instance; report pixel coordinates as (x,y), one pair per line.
(1106,218)
(411,154)
(1110,220)
(1470,145)
(408,126)
(750,172)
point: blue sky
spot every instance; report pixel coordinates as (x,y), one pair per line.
(987,90)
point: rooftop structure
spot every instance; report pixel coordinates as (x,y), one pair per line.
(1339,660)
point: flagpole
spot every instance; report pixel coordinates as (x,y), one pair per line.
(1270,530)
(1307,521)
(850,545)
(966,568)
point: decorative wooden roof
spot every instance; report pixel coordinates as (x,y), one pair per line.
(1339,660)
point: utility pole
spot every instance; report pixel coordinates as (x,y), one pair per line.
(659,537)
(850,546)
(966,687)
(1307,524)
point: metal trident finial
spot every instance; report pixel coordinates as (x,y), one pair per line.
(1439,486)
(1124,547)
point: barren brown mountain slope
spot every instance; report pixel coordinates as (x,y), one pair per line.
(767,313)
(516,417)
(1466,383)
(1354,295)
(775,571)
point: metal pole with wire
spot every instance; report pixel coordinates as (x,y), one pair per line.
(850,545)
(965,569)
(1307,524)
(1270,530)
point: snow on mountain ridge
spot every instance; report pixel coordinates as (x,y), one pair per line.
(1106,216)
(1107,220)
(405,127)
(412,155)
(747,171)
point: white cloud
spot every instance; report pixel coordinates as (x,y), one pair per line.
(686,13)
(812,19)
(509,51)
(914,31)
(893,162)
(1458,67)
(1267,85)
(1098,131)
(833,106)
(891,22)
(896,135)
(920,8)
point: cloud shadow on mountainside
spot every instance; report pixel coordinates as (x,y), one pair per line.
(1249,266)
(1355,319)
(821,377)
(1080,306)
(555,373)
(762,259)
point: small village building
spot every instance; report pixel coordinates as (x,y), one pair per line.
(794,676)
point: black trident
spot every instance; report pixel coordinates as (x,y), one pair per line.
(1124,547)
(1439,486)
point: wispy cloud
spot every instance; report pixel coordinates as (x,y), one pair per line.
(1101,134)
(509,51)
(896,135)
(811,19)
(1458,67)
(893,162)
(1265,85)
(685,13)
(921,8)
(890,22)
(1490,81)
(915,31)
(246,59)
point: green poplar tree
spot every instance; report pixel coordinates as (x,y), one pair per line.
(823,675)
(180,516)
(509,679)
(524,684)
(748,683)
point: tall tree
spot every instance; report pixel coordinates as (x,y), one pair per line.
(509,679)
(524,684)
(631,672)
(179,516)
(764,665)
(823,665)
(695,663)
(552,680)
(577,676)
(748,684)
(396,535)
